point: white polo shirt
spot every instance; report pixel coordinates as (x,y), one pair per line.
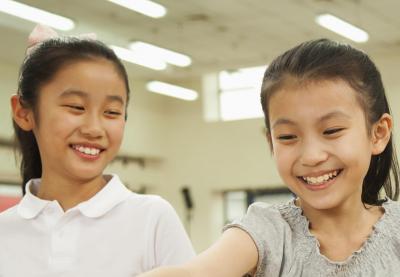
(116,233)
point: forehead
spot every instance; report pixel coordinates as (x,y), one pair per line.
(94,77)
(313,99)
(93,69)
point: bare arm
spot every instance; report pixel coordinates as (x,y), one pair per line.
(234,254)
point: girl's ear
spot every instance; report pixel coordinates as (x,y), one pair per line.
(381,133)
(21,115)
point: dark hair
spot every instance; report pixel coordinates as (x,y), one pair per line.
(38,68)
(325,59)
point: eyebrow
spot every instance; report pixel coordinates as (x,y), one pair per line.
(335,114)
(285,121)
(82,94)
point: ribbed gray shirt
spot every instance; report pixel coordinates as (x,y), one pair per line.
(287,248)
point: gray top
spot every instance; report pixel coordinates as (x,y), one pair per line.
(287,248)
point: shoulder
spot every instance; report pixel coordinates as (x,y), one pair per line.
(8,213)
(166,234)
(265,209)
(261,214)
(117,193)
(268,223)
(392,206)
(388,224)
(9,219)
(392,213)
(147,201)
(278,214)
(151,207)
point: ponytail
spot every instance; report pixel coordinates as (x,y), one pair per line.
(31,164)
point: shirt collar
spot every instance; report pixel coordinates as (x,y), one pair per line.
(31,205)
(113,193)
(107,198)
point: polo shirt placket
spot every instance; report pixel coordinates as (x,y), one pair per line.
(63,237)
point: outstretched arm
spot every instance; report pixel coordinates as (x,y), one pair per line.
(234,254)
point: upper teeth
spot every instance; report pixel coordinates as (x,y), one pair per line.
(320,179)
(87,150)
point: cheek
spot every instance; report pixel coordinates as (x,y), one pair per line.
(355,152)
(53,126)
(283,158)
(116,131)
(66,121)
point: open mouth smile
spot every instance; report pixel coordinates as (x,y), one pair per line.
(322,179)
(87,150)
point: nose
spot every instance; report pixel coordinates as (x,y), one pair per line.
(92,126)
(313,153)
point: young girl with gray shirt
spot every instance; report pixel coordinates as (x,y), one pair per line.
(329,128)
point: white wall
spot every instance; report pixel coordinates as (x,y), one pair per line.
(8,84)
(389,68)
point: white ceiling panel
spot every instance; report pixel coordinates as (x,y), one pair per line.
(217,34)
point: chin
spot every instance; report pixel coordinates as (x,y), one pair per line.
(320,203)
(86,174)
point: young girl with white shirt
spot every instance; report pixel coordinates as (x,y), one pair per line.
(329,128)
(69,117)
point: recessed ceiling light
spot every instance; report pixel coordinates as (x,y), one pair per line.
(129,56)
(145,7)
(36,15)
(172,90)
(150,50)
(342,27)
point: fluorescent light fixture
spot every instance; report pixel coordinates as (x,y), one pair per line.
(129,56)
(147,49)
(36,15)
(145,7)
(342,27)
(172,90)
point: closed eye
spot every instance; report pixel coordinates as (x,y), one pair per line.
(75,107)
(113,113)
(332,131)
(286,137)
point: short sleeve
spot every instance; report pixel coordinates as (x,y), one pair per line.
(271,235)
(172,244)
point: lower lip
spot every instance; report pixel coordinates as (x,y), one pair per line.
(86,156)
(320,186)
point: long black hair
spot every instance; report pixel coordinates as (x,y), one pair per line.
(38,68)
(325,59)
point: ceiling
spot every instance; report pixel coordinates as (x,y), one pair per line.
(217,34)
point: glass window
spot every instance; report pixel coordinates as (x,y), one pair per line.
(239,93)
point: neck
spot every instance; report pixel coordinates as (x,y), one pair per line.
(342,230)
(69,192)
(347,218)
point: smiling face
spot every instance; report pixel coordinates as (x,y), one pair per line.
(320,142)
(80,120)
